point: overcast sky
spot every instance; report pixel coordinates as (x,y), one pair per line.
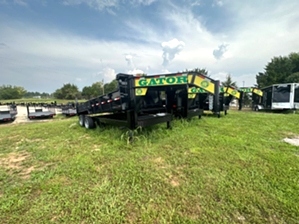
(47,43)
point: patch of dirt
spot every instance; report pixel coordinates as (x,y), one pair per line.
(14,162)
(293,141)
(173,180)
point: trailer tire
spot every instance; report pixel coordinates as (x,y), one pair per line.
(89,123)
(81,120)
(256,109)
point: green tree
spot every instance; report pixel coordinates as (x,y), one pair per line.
(68,91)
(293,78)
(87,92)
(229,81)
(96,89)
(8,92)
(109,87)
(202,71)
(278,70)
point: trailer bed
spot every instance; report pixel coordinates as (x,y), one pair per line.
(40,112)
(8,113)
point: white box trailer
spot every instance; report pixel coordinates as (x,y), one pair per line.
(278,97)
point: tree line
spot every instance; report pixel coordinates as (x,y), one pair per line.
(67,91)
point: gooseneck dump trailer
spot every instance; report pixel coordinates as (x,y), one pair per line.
(216,101)
(8,112)
(256,96)
(145,101)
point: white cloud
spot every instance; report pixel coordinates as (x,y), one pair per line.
(261,30)
(142,2)
(105,4)
(96,4)
(20,2)
(109,74)
(196,3)
(135,72)
(171,49)
(218,3)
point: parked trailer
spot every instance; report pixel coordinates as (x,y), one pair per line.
(8,112)
(69,109)
(278,97)
(40,111)
(209,100)
(144,101)
(255,93)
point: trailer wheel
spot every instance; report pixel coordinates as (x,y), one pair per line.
(89,123)
(256,109)
(81,120)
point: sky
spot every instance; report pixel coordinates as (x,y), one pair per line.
(45,44)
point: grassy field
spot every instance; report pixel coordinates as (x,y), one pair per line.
(235,169)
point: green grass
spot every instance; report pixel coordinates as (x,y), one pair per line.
(235,169)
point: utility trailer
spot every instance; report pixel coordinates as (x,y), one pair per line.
(69,109)
(222,98)
(255,93)
(145,101)
(229,93)
(8,112)
(40,111)
(278,97)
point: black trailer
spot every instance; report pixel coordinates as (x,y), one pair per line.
(256,95)
(230,93)
(40,111)
(145,101)
(8,112)
(216,102)
(69,109)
